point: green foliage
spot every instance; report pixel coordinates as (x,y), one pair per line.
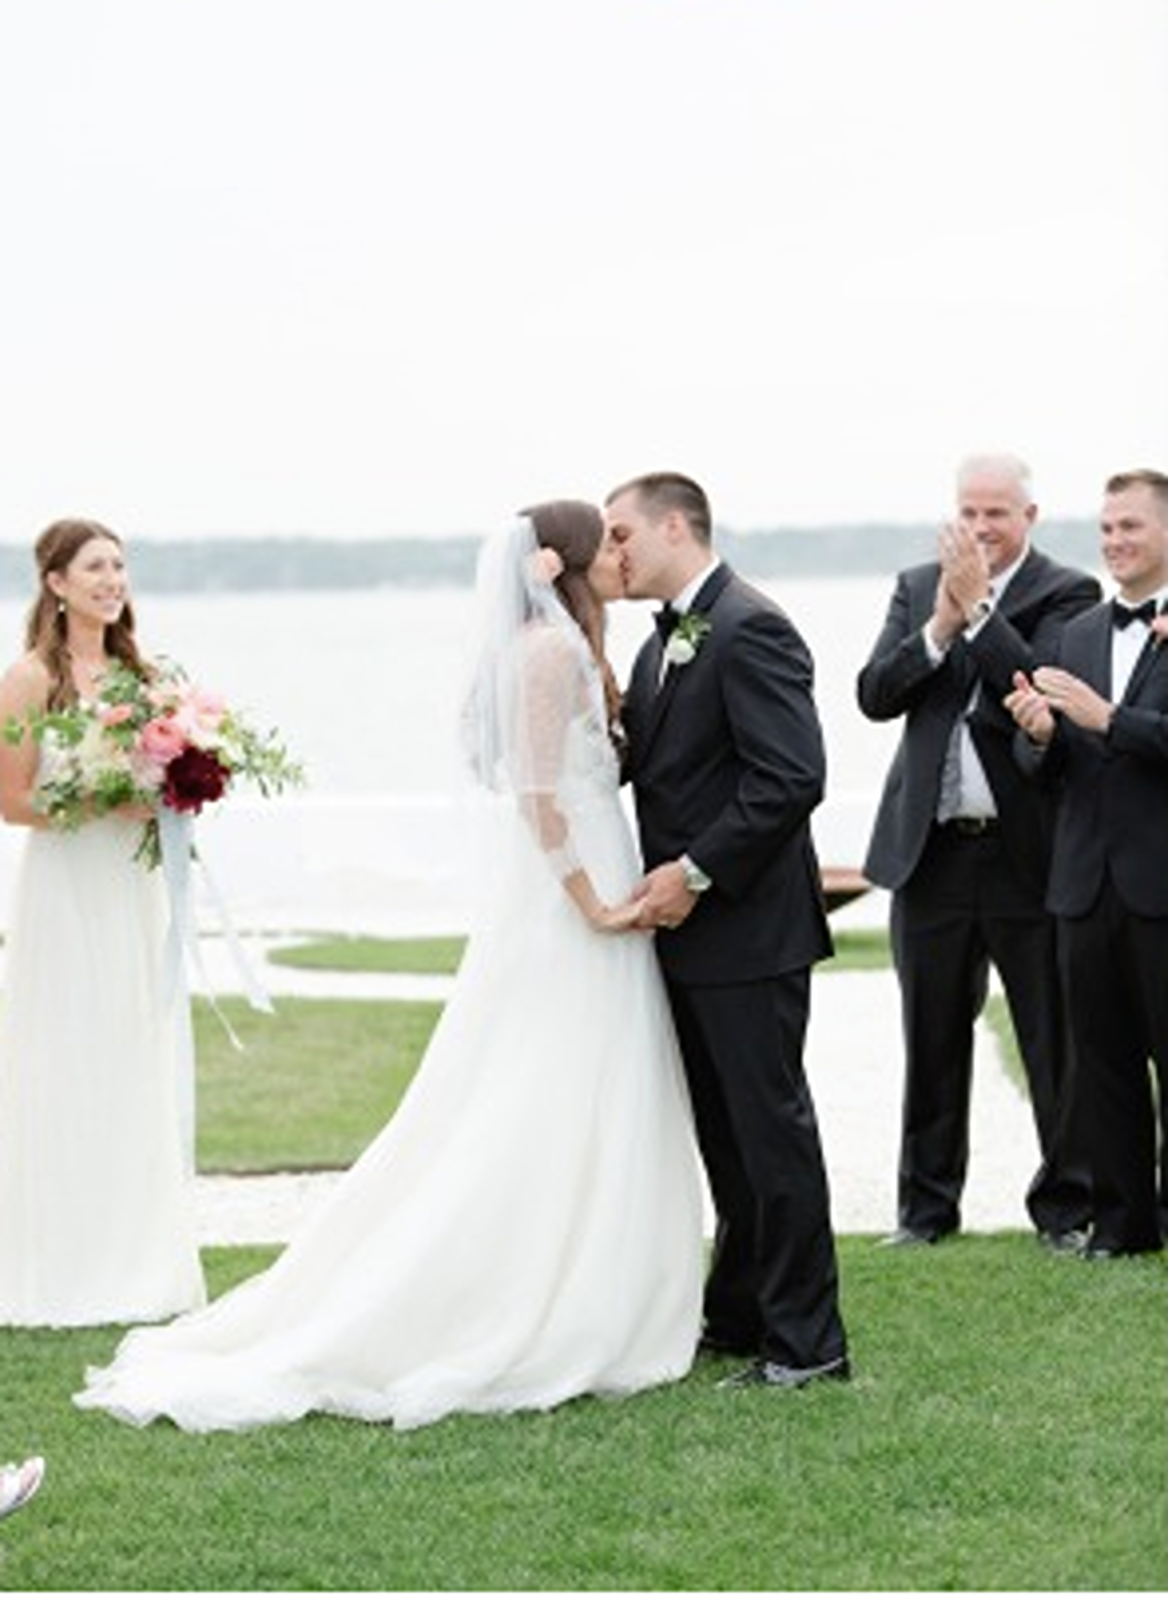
(984,1445)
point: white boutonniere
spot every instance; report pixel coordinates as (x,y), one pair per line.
(685,641)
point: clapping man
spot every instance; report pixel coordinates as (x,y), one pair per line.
(962,840)
(1096,728)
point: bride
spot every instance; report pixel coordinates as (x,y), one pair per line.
(527,1228)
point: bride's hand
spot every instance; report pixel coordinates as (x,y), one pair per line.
(617,919)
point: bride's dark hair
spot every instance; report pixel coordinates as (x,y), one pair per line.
(574,529)
(45,630)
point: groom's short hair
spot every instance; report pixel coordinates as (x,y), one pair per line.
(660,492)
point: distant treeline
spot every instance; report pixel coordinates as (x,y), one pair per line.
(222,565)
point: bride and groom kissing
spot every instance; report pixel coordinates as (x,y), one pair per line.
(528,1226)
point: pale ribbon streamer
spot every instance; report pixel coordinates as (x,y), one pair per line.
(176,842)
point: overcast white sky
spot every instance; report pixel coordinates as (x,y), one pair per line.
(361,267)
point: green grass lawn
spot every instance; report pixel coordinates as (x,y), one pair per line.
(312,1084)
(337,1068)
(855,948)
(365,953)
(1005,1429)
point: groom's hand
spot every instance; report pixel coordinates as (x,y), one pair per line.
(665,900)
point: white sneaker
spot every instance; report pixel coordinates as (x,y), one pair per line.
(19,1484)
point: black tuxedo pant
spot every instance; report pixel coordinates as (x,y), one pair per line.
(773,1282)
(963,908)
(1116,975)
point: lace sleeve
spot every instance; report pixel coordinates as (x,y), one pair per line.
(528,679)
(550,692)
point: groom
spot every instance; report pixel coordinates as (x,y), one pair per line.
(727,763)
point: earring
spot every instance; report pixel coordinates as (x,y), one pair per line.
(61,608)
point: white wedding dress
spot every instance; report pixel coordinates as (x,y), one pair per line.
(96,1206)
(528,1227)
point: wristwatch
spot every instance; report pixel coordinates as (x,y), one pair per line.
(696,881)
(979,611)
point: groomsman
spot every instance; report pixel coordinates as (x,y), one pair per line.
(726,759)
(962,839)
(1096,727)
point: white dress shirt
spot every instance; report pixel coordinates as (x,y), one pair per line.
(976,798)
(1126,647)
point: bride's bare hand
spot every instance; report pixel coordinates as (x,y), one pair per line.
(618,919)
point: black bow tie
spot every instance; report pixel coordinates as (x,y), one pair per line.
(665,621)
(1121,615)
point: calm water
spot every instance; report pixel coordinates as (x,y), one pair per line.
(364,686)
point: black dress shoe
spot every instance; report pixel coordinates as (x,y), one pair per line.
(905,1238)
(775,1375)
(1097,1252)
(1064,1241)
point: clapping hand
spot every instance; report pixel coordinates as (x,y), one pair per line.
(1030,710)
(1033,702)
(964,579)
(1077,700)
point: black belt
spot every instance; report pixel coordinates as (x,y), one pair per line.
(970,827)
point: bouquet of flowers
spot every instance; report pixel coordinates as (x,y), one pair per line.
(160,742)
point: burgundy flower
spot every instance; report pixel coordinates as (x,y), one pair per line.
(192,778)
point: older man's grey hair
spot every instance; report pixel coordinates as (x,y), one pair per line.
(998,464)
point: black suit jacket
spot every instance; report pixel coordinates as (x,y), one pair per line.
(1111,789)
(899,680)
(727,763)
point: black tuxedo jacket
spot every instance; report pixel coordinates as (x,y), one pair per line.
(899,680)
(1111,789)
(727,763)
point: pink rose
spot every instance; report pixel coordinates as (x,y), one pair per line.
(199,712)
(207,705)
(161,740)
(111,716)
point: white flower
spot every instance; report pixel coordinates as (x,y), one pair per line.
(545,565)
(685,641)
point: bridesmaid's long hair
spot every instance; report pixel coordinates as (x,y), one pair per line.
(574,529)
(45,631)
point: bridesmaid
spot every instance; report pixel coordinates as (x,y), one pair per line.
(95,1195)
